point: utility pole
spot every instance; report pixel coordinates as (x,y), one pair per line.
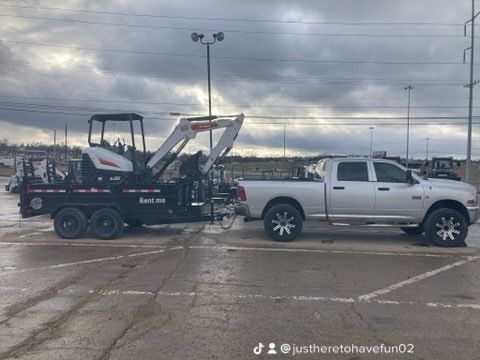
(426,148)
(470,85)
(409,88)
(371,140)
(66,142)
(54,144)
(284,137)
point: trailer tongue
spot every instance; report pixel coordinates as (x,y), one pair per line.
(118,185)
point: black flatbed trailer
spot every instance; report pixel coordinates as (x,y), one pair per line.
(106,208)
(117,183)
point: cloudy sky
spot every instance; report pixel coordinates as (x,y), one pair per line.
(330,69)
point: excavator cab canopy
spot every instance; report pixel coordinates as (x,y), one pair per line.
(118,147)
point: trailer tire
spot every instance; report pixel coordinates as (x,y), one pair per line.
(283,222)
(70,223)
(446,228)
(106,224)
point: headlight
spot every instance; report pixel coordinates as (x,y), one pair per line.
(472,200)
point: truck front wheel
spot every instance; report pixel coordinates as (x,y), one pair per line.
(446,228)
(283,222)
(106,224)
(70,223)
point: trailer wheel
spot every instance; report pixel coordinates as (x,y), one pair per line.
(70,223)
(106,224)
(446,228)
(283,222)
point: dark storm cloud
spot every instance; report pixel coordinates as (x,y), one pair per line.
(153,83)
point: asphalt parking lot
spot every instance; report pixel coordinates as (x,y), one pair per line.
(198,292)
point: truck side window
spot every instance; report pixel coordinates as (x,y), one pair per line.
(389,173)
(352,171)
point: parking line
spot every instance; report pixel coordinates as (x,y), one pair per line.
(299,298)
(239,248)
(415,279)
(291,297)
(153,246)
(91,261)
(326,251)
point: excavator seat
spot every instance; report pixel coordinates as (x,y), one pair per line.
(190,167)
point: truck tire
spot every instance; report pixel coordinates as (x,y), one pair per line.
(70,223)
(106,224)
(446,228)
(413,231)
(283,222)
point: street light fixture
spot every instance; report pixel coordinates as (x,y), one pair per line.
(216,37)
(409,88)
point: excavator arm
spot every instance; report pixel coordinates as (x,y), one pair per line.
(188,128)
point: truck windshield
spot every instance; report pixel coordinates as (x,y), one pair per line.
(442,164)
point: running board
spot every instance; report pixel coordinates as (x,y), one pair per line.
(373,225)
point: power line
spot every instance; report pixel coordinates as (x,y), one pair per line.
(253,78)
(197,104)
(359,124)
(304,22)
(23,104)
(146,52)
(271,117)
(358,117)
(233,31)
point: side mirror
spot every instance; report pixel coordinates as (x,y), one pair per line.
(410,178)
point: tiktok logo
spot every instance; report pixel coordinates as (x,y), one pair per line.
(257,350)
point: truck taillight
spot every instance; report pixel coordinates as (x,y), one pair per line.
(241,195)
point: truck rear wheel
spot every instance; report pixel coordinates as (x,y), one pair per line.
(70,223)
(283,222)
(446,228)
(106,224)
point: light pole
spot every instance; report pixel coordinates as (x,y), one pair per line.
(195,38)
(371,140)
(409,88)
(426,148)
(470,85)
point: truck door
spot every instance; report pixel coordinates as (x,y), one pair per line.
(396,200)
(352,194)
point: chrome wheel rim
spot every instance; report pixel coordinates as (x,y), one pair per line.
(70,224)
(448,228)
(283,224)
(105,225)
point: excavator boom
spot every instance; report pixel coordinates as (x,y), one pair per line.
(188,128)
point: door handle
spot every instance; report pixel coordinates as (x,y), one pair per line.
(383,189)
(339,188)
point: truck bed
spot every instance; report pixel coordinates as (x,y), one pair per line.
(310,193)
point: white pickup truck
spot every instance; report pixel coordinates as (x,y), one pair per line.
(359,191)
